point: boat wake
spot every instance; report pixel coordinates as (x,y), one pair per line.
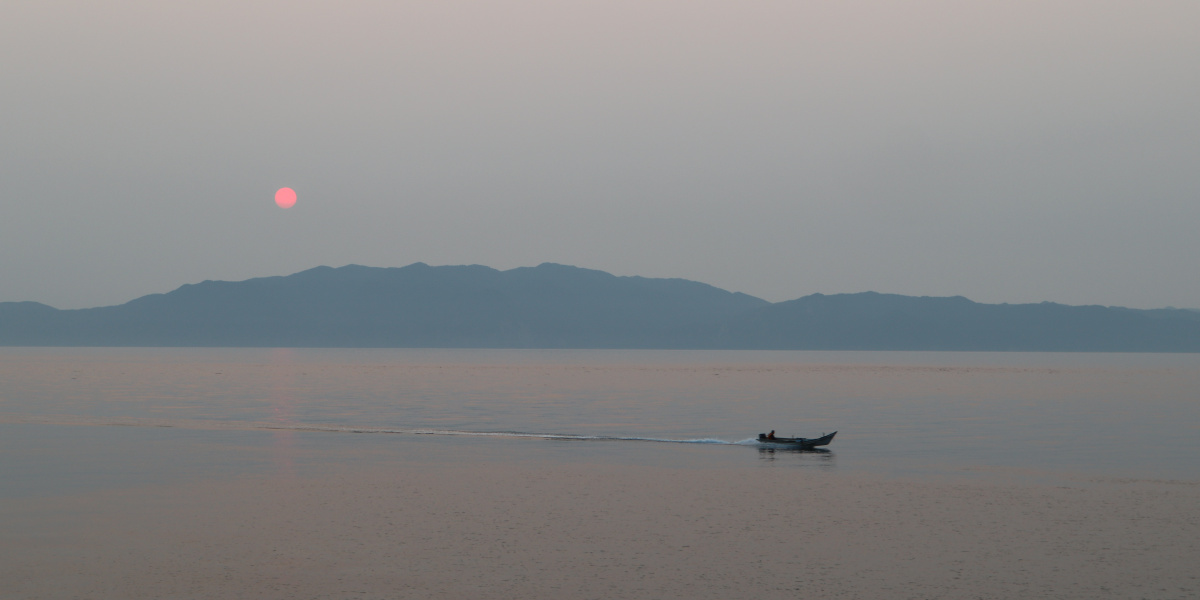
(329,428)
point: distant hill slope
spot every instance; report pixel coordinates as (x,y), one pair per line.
(872,321)
(557,306)
(548,306)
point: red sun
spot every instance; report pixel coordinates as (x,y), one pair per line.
(285,197)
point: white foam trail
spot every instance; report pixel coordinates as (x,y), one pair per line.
(516,434)
(328,428)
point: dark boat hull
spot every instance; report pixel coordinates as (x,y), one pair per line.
(802,443)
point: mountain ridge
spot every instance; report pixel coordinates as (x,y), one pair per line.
(561,306)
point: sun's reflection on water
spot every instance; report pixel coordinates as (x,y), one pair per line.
(282,404)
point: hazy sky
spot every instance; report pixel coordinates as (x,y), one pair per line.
(1005,151)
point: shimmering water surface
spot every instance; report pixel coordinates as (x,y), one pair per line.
(79,418)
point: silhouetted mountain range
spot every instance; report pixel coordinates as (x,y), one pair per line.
(557,306)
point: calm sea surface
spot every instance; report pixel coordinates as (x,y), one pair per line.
(74,419)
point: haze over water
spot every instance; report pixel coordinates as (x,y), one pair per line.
(102,417)
(1007,152)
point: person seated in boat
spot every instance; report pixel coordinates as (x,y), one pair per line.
(771,436)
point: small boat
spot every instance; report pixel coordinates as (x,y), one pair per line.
(801,443)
